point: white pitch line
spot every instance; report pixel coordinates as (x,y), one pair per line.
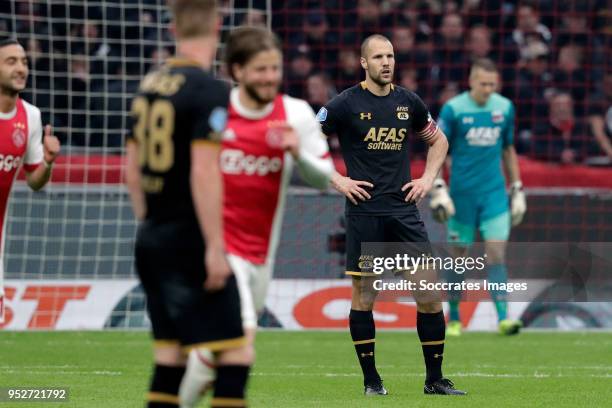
(42,366)
(541,367)
(457,374)
(485,366)
(63,372)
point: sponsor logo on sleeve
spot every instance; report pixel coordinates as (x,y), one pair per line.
(322,115)
(218,119)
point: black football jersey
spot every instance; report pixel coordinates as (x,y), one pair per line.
(177,105)
(374,134)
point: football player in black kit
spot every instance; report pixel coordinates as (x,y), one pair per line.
(373,121)
(176,190)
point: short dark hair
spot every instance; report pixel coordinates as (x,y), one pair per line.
(485,64)
(561,92)
(8,41)
(244,43)
(366,42)
(324,77)
(532,4)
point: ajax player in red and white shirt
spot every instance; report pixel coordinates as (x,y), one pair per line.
(267,135)
(20,138)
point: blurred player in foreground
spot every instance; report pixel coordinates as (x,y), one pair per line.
(373,120)
(479,125)
(21,138)
(175,185)
(267,135)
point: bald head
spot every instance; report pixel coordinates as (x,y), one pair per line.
(378,60)
(365,45)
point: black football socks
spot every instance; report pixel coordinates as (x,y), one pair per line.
(431,328)
(164,386)
(363,332)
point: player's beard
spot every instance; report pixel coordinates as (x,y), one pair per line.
(7,87)
(252,91)
(379,80)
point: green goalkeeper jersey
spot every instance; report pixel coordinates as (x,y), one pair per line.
(477,134)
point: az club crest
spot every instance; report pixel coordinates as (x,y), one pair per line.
(497,116)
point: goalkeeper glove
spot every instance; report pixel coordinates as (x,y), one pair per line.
(441,204)
(518,204)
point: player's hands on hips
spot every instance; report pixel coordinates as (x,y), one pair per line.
(418,189)
(217,269)
(285,137)
(51,145)
(352,189)
(518,203)
(441,204)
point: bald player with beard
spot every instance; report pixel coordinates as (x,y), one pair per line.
(373,121)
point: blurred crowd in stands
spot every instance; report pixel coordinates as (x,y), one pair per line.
(554,57)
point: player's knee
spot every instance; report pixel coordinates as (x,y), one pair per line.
(249,333)
(495,251)
(429,307)
(244,355)
(169,355)
(363,294)
(363,301)
(458,250)
(495,260)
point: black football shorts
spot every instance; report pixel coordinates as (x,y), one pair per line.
(401,228)
(181,311)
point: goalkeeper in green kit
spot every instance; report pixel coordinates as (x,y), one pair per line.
(479,125)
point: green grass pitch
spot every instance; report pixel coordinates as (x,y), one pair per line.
(319,369)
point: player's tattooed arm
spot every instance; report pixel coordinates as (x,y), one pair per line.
(353,189)
(132,180)
(418,188)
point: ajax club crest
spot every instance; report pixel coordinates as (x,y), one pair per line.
(19,136)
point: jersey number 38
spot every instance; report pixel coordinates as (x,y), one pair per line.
(153,131)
